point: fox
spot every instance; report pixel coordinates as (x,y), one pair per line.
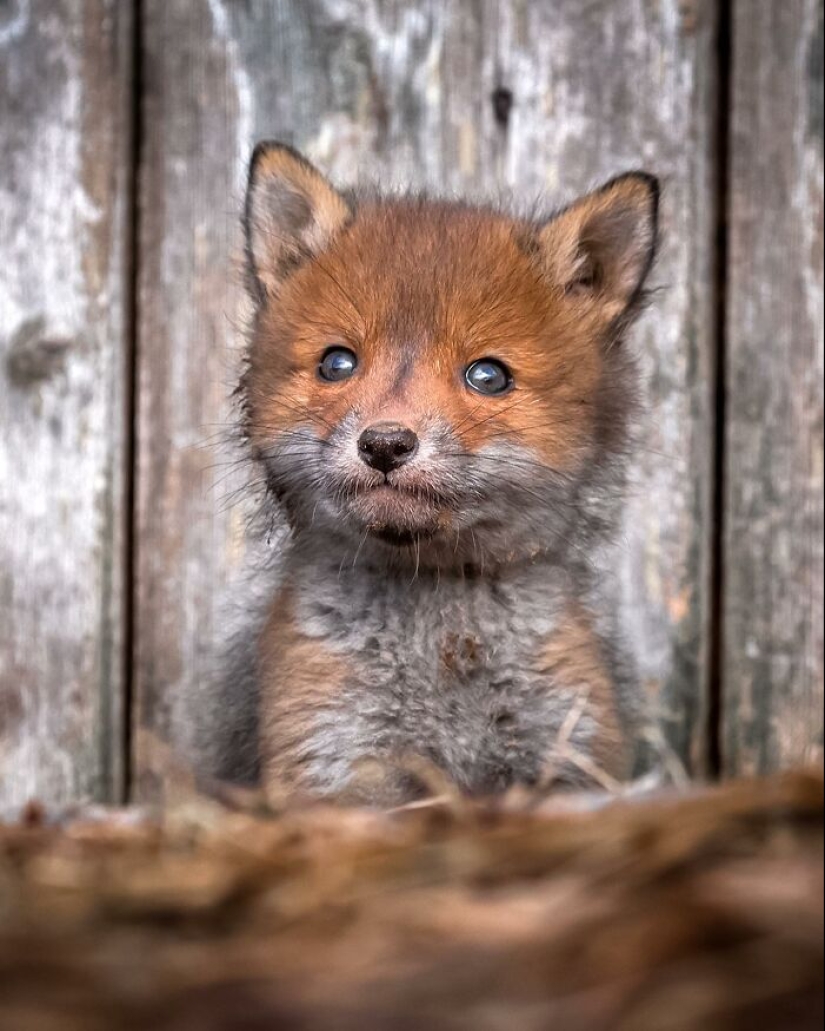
(440,400)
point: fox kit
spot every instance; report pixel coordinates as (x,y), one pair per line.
(440,400)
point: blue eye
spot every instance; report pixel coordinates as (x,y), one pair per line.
(338,363)
(488,376)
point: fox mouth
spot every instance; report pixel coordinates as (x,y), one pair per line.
(399,514)
(392,491)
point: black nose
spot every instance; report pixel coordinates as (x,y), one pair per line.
(386,446)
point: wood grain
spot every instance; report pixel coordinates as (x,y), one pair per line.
(64,74)
(773,611)
(473,97)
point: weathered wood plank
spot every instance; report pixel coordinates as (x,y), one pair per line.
(773,657)
(64,73)
(405,93)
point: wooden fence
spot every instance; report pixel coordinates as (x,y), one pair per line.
(125,127)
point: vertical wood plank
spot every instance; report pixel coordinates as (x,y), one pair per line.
(64,76)
(773,601)
(404,92)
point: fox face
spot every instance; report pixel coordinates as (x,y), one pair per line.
(439,382)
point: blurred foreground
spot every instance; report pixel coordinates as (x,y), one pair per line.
(665,913)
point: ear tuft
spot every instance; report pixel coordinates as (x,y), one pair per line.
(604,245)
(292,213)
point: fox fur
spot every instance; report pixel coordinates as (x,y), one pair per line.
(448,617)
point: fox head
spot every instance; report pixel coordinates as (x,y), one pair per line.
(436,380)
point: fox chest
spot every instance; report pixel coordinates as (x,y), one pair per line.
(451,674)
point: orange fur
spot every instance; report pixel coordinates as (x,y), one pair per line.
(572,658)
(549,339)
(301,677)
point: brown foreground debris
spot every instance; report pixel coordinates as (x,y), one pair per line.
(697,912)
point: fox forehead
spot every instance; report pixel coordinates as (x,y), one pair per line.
(410,279)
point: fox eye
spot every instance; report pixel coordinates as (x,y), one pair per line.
(488,376)
(338,363)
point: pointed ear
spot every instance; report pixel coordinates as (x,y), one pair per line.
(292,213)
(603,246)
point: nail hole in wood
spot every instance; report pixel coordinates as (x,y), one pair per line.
(503,101)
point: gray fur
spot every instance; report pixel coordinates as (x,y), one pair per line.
(486,718)
(493,718)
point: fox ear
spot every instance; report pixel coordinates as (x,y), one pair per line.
(292,213)
(603,245)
